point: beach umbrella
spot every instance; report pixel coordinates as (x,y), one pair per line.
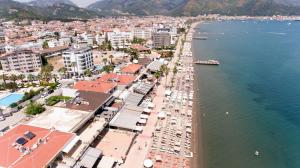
(148,163)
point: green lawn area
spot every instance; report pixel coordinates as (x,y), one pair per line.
(55,99)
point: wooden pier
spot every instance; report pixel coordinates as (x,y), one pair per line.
(208,62)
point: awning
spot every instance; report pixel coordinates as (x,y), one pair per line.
(143,121)
(158,158)
(150,105)
(144,116)
(176,148)
(146,110)
(161,115)
(189,130)
(72,143)
(139,128)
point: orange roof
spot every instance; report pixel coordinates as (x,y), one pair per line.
(120,79)
(139,47)
(39,156)
(132,68)
(95,86)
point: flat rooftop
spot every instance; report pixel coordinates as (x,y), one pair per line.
(44,145)
(116,144)
(89,101)
(62,119)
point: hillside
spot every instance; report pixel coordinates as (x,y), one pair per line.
(46,3)
(136,7)
(196,7)
(14,10)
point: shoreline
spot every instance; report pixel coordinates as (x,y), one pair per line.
(197,145)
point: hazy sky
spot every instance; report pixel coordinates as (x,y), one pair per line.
(81,3)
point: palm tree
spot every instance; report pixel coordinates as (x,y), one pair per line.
(13,77)
(31,78)
(22,77)
(111,59)
(63,70)
(55,78)
(4,77)
(40,78)
(105,61)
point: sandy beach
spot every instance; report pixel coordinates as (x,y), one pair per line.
(197,145)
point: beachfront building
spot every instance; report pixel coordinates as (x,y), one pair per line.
(161,38)
(78,59)
(30,146)
(21,61)
(120,39)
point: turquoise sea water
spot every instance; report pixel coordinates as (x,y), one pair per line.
(258,83)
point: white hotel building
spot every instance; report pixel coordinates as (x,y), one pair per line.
(120,39)
(78,59)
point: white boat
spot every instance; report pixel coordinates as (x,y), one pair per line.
(256,153)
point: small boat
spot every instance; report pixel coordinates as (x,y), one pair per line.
(256,153)
(227,113)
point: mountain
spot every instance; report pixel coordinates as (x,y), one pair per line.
(46,3)
(136,7)
(196,7)
(15,10)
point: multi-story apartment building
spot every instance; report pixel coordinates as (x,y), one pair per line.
(161,39)
(78,59)
(22,61)
(2,35)
(143,33)
(120,39)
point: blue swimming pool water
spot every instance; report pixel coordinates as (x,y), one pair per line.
(12,98)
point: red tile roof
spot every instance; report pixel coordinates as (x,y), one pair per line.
(120,79)
(38,157)
(132,68)
(95,86)
(139,47)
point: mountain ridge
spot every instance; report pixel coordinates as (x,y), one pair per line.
(47,3)
(196,7)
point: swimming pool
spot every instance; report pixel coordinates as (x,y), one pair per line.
(11,98)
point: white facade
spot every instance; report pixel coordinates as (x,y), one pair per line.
(120,39)
(21,61)
(143,33)
(77,60)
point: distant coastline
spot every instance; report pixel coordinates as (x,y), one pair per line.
(241,18)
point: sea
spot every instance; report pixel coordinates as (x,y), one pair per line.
(251,101)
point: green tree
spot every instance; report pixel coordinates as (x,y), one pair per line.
(63,71)
(109,46)
(57,35)
(108,68)
(88,72)
(105,61)
(13,78)
(31,78)
(22,77)
(157,74)
(34,109)
(138,40)
(45,45)
(134,55)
